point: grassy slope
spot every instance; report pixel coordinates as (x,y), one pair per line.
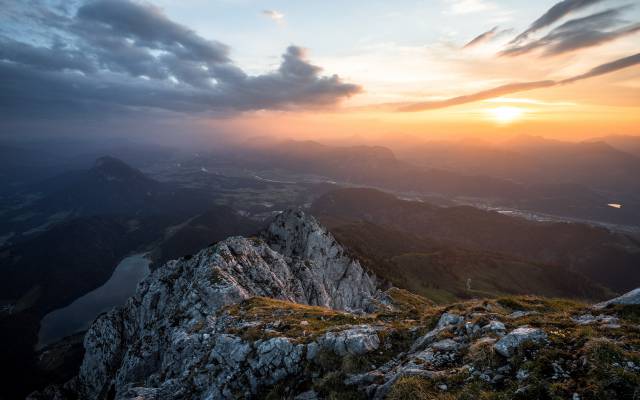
(446,273)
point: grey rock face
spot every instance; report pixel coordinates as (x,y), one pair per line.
(445,345)
(603,320)
(167,341)
(494,326)
(516,338)
(355,341)
(632,297)
(342,281)
(446,321)
(520,314)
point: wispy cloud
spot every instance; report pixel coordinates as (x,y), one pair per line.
(522,86)
(607,68)
(482,38)
(578,33)
(277,16)
(517,100)
(554,14)
(486,37)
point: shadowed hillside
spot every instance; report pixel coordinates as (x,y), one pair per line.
(607,258)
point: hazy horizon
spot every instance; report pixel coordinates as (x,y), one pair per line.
(440,69)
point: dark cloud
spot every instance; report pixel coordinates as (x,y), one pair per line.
(523,86)
(121,54)
(26,90)
(54,58)
(578,33)
(554,14)
(148,26)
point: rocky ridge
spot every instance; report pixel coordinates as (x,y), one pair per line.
(290,315)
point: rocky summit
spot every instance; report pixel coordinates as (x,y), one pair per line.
(291,315)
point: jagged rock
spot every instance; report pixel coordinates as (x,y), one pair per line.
(138,393)
(494,326)
(445,345)
(276,359)
(522,374)
(603,320)
(516,338)
(298,236)
(355,341)
(632,297)
(312,351)
(168,341)
(308,395)
(446,321)
(520,314)
(471,328)
(66,391)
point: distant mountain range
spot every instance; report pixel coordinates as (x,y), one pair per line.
(534,160)
(575,180)
(372,165)
(110,187)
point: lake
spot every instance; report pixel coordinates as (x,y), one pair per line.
(78,315)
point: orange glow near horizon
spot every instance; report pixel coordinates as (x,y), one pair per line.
(599,107)
(494,121)
(506,115)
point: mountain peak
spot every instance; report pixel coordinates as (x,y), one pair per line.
(114,169)
(188,304)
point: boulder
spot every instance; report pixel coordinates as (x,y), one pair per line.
(446,321)
(494,326)
(509,343)
(355,341)
(630,298)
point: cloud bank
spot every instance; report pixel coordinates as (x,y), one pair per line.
(118,54)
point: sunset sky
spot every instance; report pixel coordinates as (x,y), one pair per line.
(253,66)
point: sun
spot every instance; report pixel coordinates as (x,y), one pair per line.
(506,115)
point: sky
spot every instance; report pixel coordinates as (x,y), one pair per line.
(568,69)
